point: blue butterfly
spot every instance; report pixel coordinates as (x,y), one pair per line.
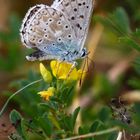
(57,32)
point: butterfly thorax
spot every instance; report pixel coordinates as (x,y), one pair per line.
(72,56)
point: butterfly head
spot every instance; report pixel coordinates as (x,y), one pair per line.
(83,53)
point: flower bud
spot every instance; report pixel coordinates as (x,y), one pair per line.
(45,74)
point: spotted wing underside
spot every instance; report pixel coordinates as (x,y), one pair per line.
(45,25)
(78,13)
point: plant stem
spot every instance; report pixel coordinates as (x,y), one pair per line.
(119,137)
(93,134)
(8,100)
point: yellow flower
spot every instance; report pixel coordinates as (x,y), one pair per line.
(45,74)
(47,94)
(61,70)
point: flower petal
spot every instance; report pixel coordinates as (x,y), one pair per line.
(47,94)
(62,69)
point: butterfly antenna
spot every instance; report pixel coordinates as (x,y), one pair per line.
(92,62)
(87,64)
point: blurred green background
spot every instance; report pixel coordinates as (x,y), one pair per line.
(114,45)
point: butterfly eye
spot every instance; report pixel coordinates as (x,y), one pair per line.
(83,53)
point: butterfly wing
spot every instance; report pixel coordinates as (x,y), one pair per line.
(78,13)
(46,29)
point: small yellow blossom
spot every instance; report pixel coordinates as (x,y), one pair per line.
(62,69)
(47,94)
(45,74)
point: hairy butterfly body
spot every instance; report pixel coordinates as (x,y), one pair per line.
(57,32)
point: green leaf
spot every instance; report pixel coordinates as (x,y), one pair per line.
(82,130)
(134,82)
(118,20)
(104,114)
(121,20)
(94,126)
(124,126)
(14,25)
(136,115)
(45,124)
(4,37)
(47,105)
(16,120)
(67,123)
(74,116)
(137,61)
(137,33)
(113,136)
(130,42)
(54,121)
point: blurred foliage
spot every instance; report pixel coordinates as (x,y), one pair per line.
(10,40)
(39,119)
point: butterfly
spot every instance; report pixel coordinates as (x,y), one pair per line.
(58,31)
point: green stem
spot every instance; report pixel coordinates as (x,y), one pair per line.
(8,100)
(93,134)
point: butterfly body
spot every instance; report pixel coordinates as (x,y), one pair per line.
(57,32)
(58,54)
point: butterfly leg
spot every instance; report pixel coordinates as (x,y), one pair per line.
(74,64)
